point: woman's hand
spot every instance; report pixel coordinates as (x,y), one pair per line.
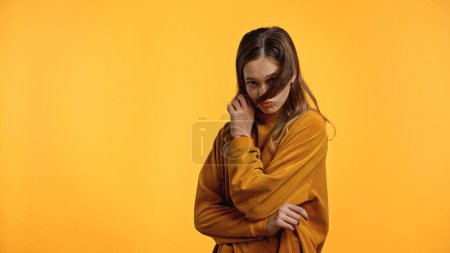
(287,216)
(242,114)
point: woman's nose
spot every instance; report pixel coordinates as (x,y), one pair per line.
(262,89)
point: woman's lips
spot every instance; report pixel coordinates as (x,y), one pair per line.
(266,103)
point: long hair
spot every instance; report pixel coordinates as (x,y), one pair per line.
(275,42)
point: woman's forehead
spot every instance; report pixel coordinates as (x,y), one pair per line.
(260,69)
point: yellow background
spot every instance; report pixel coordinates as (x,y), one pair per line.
(98,98)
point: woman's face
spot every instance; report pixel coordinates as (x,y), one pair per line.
(257,74)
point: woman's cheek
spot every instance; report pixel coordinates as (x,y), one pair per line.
(250,94)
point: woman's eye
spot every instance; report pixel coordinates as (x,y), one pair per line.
(251,84)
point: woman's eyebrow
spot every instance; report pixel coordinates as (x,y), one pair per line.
(249,77)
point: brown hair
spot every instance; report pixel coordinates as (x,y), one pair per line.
(275,42)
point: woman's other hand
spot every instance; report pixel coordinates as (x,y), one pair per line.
(287,216)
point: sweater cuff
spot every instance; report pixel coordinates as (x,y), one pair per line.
(258,228)
(239,146)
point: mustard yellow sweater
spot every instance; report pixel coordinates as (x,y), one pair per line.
(237,193)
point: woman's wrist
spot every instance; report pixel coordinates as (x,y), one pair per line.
(240,135)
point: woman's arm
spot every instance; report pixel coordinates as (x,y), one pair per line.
(212,217)
(288,177)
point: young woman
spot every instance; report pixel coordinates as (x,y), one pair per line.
(263,185)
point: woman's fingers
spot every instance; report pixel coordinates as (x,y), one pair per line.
(293,214)
(242,101)
(289,220)
(298,210)
(284,224)
(236,105)
(230,108)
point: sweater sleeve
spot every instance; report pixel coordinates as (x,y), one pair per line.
(212,217)
(289,175)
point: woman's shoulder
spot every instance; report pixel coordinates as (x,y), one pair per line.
(308,126)
(309,119)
